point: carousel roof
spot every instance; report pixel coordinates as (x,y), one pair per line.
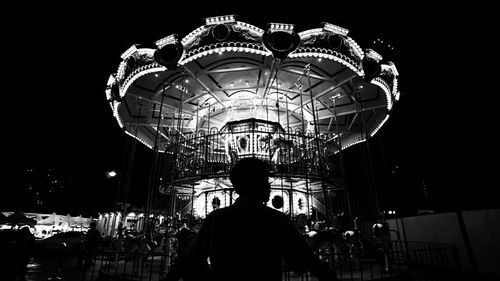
(318,80)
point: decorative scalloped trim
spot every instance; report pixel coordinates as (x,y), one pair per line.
(141,53)
(316,52)
(385,87)
(139,72)
(375,130)
(304,35)
(224,47)
(250,27)
(188,39)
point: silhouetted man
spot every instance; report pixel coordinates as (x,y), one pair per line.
(247,240)
(24,246)
(90,243)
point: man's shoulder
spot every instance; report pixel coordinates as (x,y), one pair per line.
(233,210)
(216,214)
(275,213)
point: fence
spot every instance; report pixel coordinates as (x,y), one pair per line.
(400,261)
(289,152)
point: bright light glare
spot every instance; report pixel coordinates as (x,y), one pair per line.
(110,174)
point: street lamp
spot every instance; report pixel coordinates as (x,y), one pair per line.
(121,206)
(111,174)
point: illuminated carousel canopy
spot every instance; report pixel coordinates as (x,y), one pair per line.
(225,71)
(229,90)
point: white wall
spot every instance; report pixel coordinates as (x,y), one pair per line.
(482,231)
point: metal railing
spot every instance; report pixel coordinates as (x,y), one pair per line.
(348,263)
(440,256)
(213,154)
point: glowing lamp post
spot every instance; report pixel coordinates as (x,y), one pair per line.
(111,174)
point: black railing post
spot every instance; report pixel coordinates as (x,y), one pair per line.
(468,246)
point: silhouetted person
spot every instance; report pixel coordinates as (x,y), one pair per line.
(184,237)
(120,230)
(91,242)
(24,246)
(247,240)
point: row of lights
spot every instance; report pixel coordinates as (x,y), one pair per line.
(281,27)
(220,20)
(171,39)
(335,29)
(338,59)
(383,85)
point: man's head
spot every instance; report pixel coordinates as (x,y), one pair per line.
(250,178)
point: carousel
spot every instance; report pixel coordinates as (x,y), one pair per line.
(230,90)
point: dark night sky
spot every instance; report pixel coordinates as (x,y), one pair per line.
(57,60)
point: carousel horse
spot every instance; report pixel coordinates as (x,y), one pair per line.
(136,250)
